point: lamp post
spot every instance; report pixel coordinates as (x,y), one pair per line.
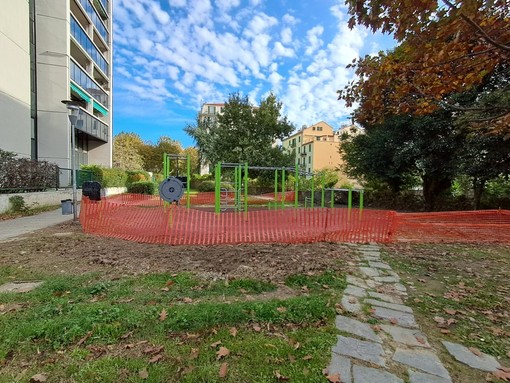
(73,118)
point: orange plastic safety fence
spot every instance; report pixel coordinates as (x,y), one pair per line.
(458,226)
(145,219)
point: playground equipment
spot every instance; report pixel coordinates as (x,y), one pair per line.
(172,188)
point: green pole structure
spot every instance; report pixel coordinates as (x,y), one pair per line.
(312,192)
(332,198)
(276,185)
(164,165)
(283,188)
(246,187)
(217,178)
(296,186)
(322,191)
(360,203)
(349,202)
(188,180)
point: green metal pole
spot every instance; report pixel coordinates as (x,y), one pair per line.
(188,180)
(322,191)
(296,186)
(276,185)
(360,203)
(349,202)
(283,188)
(246,187)
(164,165)
(313,192)
(217,190)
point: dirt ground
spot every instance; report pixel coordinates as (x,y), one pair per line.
(65,249)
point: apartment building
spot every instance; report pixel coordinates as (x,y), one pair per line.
(56,50)
(317,147)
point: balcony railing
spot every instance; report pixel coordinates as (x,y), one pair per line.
(83,79)
(86,43)
(104,5)
(93,126)
(96,20)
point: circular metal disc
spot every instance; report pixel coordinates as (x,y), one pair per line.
(171,189)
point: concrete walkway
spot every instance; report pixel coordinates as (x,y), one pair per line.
(12,228)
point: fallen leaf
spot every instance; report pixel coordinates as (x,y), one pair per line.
(281,309)
(292,358)
(307,357)
(280,376)
(475,351)
(187,300)
(256,328)
(156,358)
(222,352)
(503,375)
(194,353)
(143,374)
(450,311)
(38,378)
(215,344)
(420,339)
(127,335)
(153,350)
(84,339)
(353,300)
(233,331)
(445,331)
(162,315)
(451,321)
(335,378)
(165,289)
(223,370)
(422,280)
(297,345)
(439,320)
(376,328)
(169,283)
(393,321)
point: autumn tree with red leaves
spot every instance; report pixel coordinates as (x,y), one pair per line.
(446,48)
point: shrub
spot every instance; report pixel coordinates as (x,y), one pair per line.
(114,178)
(97,173)
(136,176)
(206,186)
(23,173)
(142,187)
(18,204)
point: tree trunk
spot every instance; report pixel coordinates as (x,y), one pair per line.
(433,187)
(478,187)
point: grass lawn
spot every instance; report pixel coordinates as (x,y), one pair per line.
(460,293)
(168,328)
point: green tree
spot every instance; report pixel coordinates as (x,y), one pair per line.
(243,133)
(126,151)
(153,154)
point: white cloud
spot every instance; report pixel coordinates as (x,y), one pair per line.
(289,19)
(177,3)
(286,35)
(226,5)
(314,41)
(260,24)
(280,50)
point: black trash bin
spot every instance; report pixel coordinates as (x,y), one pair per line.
(92,189)
(67,206)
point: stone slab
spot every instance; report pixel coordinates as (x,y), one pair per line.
(406,336)
(389,279)
(392,306)
(342,366)
(379,265)
(423,360)
(403,319)
(355,327)
(483,362)
(369,272)
(350,304)
(370,258)
(385,297)
(19,287)
(372,284)
(420,377)
(355,291)
(352,280)
(360,349)
(363,374)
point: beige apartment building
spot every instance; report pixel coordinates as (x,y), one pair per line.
(317,147)
(54,50)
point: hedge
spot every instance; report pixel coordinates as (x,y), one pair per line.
(142,187)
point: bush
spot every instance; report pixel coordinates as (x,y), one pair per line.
(107,177)
(97,173)
(197,179)
(23,173)
(18,204)
(206,186)
(136,176)
(142,187)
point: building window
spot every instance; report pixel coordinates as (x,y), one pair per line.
(310,159)
(309,148)
(313,128)
(298,161)
(309,170)
(299,139)
(319,128)
(211,109)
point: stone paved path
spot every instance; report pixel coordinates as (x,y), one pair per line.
(363,355)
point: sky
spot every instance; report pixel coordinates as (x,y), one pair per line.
(171,56)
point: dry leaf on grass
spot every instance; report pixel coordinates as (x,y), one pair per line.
(281,309)
(163,315)
(280,377)
(194,353)
(393,321)
(143,374)
(233,331)
(335,378)
(84,339)
(222,352)
(156,358)
(420,339)
(38,378)
(475,351)
(256,328)
(307,357)
(215,344)
(503,375)
(450,311)
(223,370)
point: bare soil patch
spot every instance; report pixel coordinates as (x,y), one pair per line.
(65,249)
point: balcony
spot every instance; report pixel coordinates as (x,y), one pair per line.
(83,79)
(96,20)
(102,6)
(86,43)
(91,125)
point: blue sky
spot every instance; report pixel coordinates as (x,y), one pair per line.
(170,56)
